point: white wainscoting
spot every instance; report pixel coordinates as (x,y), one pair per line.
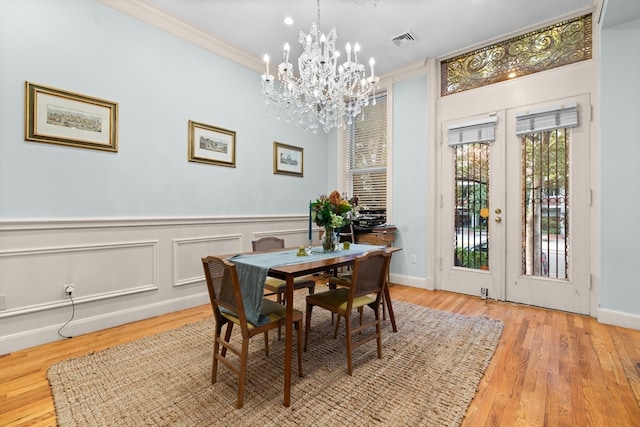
(123,269)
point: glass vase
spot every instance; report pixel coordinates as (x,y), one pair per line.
(329,240)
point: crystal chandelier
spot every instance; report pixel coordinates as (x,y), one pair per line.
(326,93)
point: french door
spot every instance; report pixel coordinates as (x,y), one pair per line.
(515,203)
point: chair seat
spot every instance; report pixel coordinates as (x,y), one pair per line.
(277,285)
(270,309)
(338,298)
(345,280)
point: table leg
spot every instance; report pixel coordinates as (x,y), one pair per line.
(288,348)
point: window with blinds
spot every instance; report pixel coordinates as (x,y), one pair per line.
(366,156)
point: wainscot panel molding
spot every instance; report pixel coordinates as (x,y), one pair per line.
(187,267)
(123,269)
(81,264)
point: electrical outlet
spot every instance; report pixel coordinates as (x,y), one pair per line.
(413,258)
(484,293)
(3,302)
(69,288)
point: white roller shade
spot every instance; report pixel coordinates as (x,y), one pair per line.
(481,130)
(561,116)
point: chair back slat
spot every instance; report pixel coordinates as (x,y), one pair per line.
(266,243)
(370,273)
(347,233)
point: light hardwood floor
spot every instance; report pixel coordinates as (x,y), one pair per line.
(551,368)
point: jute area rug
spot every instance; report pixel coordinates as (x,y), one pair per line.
(428,376)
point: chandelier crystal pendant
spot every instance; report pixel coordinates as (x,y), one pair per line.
(326,93)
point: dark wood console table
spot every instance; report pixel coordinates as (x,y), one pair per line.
(385,236)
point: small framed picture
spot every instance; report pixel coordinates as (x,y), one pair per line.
(287,159)
(212,145)
(56,116)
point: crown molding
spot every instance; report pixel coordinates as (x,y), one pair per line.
(148,13)
(144,11)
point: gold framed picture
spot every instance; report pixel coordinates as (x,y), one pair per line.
(287,159)
(212,145)
(57,116)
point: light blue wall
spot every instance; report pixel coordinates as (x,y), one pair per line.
(620,170)
(410,147)
(160,82)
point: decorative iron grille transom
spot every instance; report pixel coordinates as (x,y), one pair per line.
(560,44)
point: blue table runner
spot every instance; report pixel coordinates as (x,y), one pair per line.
(252,272)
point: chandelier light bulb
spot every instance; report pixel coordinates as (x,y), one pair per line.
(266,62)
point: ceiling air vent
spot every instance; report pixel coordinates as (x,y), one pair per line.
(404,39)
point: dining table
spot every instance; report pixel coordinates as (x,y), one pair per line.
(287,265)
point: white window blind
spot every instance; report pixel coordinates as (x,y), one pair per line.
(365,156)
(482,130)
(562,116)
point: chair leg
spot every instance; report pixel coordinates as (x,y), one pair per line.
(216,349)
(333,287)
(384,310)
(227,337)
(266,343)
(280,300)
(347,319)
(307,325)
(335,332)
(379,334)
(242,373)
(299,330)
(389,306)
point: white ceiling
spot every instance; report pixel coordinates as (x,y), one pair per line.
(442,27)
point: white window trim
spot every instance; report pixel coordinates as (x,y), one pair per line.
(343,139)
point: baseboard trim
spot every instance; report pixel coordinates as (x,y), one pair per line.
(34,337)
(414,282)
(618,318)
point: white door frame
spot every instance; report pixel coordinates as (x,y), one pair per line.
(503,279)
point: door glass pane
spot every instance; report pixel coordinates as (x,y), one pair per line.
(471,206)
(545,204)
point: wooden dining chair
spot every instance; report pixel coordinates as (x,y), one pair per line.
(367,286)
(347,234)
(228,309)
(275,286)
(344,280)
